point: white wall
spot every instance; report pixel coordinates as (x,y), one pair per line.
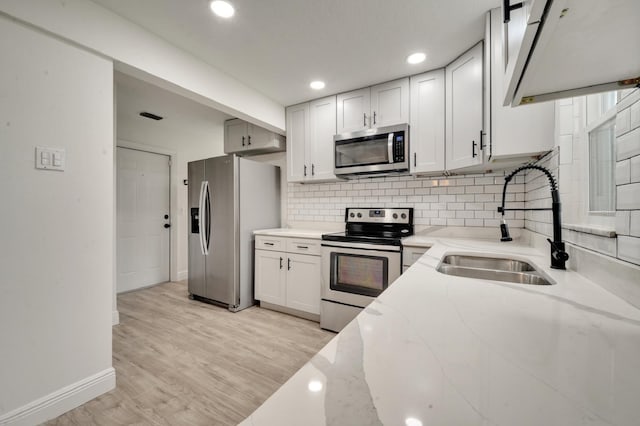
(56,228)
(147,56)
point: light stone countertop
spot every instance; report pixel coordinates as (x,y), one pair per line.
(436,349)
(313,234)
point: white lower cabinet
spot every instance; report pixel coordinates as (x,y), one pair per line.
(303,283)
(410,255)
(287,273)
(270,279)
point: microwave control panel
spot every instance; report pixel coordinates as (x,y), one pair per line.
(398,147)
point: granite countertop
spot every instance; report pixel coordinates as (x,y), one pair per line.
(435,349)
(314,234)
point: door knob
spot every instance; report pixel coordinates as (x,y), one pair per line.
(167,225)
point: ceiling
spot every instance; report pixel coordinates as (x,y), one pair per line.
(184,120)
(278,46)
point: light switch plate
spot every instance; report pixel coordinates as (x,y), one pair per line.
(50,158)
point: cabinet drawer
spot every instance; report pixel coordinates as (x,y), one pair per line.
(270,243)
(302,246)
(411,254)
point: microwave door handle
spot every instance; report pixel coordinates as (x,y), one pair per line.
(390,147)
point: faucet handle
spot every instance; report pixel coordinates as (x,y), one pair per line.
(558,253)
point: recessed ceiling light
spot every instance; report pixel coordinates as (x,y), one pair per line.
(317,85)
(222,8)
(416,58)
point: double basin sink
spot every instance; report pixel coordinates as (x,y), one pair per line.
(492,268)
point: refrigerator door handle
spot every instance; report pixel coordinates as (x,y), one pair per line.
(207,238)
(201,213)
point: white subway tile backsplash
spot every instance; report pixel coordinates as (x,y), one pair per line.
(628,197)
(623,121)
(623,172)
(634,172)
(628,145)
(483,197)
(634,223)
(443,201)
(629,249)
(634,120)
(623,219)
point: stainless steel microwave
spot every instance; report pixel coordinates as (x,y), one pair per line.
(380,151)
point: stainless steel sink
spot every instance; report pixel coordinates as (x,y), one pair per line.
(492,268)
(500,264)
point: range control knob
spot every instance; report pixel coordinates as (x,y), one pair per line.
(395,215)
(352,215)
(359,214)
(403,215)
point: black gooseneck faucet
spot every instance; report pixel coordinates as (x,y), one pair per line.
(558,254)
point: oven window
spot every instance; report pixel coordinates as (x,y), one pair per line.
(362,152)
(359,274)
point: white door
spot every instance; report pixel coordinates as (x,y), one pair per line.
(390,103)
(427,122)
(270,279)
(142,213)
(464,105)
(322,119)
(353,110)
(297,140)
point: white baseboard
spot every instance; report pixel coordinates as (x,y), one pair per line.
(182,275)
(115,318)
(62,400)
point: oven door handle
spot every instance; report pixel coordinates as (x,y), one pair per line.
(390,147)
(363,247)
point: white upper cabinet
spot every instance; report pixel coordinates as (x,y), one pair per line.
(464,110)
(353,110)
(581,47)
(297,140)
(235,135)
(382,105)
(390,103)
(322,119)
(241,138)
(310,130)
(513,134)
(426,139)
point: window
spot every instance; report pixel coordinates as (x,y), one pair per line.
(601,167)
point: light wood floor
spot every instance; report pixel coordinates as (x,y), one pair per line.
(183,362)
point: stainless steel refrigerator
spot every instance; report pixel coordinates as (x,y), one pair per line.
(229,198)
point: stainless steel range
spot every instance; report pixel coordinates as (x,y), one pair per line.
(360,263)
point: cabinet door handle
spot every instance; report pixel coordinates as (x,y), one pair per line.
(481,141)
(243,141)
(374,117)
(313,169)
(303,247)
(249,139)
(268,244)
(305,170)
(288,264)
(281,263)
(473,149)
(364,119)
(415,159)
